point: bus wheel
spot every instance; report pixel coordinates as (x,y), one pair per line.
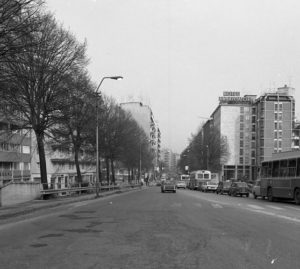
(270,195)
(297,196)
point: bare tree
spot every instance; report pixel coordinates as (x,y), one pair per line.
(71,130)
(17,20)
(33,84)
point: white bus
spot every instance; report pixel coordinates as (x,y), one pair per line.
(198,177)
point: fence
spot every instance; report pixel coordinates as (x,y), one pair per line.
(59,190)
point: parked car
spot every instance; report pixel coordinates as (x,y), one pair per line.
(223,187)
(209,186)
(239,188)
(180,184)
(168,185)
(256,189)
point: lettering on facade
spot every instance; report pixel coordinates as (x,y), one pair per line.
(235,100)
(231,93)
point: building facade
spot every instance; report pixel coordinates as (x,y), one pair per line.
(254,128)
(143,115)
(15,153)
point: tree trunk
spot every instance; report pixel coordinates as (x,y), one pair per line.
(113,179)
(42,157)
(79,178)
(107,169)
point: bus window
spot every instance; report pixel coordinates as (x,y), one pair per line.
(283,168)
(264,170)
(298,167)
(270,166)
(275,172)
(292,168)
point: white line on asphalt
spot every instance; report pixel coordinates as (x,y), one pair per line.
(275,207)
(293,208)
(256,206)
(216,206)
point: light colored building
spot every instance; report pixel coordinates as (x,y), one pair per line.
(61,170)
(233,119)
(170,160)
(143,115)
(255,128)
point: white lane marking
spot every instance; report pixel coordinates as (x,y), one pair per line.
(274,215)
(216,206)
(256,207)
(293,208)
(275,207)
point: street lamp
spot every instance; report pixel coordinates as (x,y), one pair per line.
(97,131)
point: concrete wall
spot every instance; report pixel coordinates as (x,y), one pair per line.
(16,193)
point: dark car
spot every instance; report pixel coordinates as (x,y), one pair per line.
(168,185)
(223,187)
(239,188)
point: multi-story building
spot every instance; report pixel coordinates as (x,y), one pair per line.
(15,153)
(170,160)
(275,121)
(254,129)
(143,115)
(233,118)
(61,169)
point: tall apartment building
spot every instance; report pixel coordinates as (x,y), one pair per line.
(170,160)
(255,128)
(232,118)
(275,121)
(143,115)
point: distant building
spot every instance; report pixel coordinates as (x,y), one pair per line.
(254,128)
(233,118)
(275,121)
(170,160)
(143,115)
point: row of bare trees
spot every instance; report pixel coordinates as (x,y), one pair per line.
(45,87)
(207,150)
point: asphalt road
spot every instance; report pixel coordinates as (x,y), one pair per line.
(150,229)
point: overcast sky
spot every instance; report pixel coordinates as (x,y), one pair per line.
(178,56)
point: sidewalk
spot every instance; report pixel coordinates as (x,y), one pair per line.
(12,211)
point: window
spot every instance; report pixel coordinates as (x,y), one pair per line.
(276,106)
(275,125)
(280,125)
(241,135)
(275,144)
(280,134)
(279,144)
(241,143)
(275,172)
(275,134)
(241,118)
(298,167)
(283,170)
(242,126)
(276,115)
(292,168)
(280,107)
(26,149)
(241,160)
(280,116)
(241,152)
(241,109)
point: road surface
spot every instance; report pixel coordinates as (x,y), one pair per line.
(150,229)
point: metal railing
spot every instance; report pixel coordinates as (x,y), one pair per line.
(57,189)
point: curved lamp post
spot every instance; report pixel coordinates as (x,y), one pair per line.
(97,131)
